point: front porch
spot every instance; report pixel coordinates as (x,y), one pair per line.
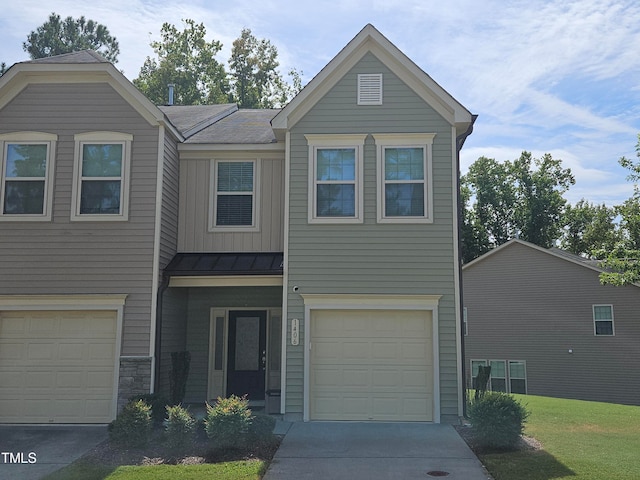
(231,324)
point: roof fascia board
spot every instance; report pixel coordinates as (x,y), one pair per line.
(371,40)
(23,74)
(534,247)
(230,147)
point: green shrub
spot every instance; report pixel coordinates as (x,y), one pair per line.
(180,427)
(157,402)
(227,422)
(498,420)
(261,428)
(132,427)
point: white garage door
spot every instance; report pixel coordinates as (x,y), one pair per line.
(371,365)
(57,367)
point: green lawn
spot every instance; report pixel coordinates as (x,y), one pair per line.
(241,470)
(581,440)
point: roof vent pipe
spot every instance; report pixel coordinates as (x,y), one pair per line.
(171,87)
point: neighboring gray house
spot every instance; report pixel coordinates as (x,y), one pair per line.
(545,324)
(307,257)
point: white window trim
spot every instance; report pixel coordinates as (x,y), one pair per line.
(108,138)
(213,198)
(613,323)
(35,138)
(509,378)
(355,141)
(406,140)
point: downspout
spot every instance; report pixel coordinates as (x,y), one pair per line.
(459,143)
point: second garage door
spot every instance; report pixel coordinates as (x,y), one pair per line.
(57,367)
(371,365)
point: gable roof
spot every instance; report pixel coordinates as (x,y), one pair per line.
(554,252)
(85,66)
(371,40)
(222,124)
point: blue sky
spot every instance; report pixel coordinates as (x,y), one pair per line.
(546,76)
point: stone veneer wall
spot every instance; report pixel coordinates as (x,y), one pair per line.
(135,378)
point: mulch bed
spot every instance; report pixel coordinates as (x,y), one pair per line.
(466,432)
(157,453)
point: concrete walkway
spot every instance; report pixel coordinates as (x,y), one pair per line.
(374,451)
(29,452)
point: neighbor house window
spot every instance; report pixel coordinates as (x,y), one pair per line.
(498,375)
(404,178)
(26,173)
(475,366)
(517,377)
(101,172)
(603,319)
(335,178)
(234,195)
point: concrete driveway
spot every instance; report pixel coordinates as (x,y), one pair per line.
(374,451)
(29,452)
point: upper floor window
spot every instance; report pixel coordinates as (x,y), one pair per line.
(335,178)
(603,320)
(404,178)
(26,188)
(234,195)
(101,176)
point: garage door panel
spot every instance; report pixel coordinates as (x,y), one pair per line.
(57,367)
(371,365)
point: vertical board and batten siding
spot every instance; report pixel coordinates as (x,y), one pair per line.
(64,257)
(195,205)
(200,303)
(524,304)
(372,258)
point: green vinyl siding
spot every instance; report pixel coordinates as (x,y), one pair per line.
(373,258)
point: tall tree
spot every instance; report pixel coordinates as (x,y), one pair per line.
(255,80)
(623,261)
(589,228)
(56,36)
(187,60)
(521,198)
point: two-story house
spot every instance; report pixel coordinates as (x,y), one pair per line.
(306,257)
(547,326)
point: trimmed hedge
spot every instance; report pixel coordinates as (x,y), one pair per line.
(498,420)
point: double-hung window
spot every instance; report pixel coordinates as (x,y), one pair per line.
(404,177)
(498,375)
(101,173)
(26,173)
(234,190)
(517,377)
(603,320)
(335,178)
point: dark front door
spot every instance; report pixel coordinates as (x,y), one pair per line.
(247,354)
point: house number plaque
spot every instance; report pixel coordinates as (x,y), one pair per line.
(295,331)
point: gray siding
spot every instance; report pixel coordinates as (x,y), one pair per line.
(173,332)
(195,179)
(64,257)
(201,300)
(372,258)
(523,304)
(170,201)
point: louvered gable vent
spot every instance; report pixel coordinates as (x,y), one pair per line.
(370,89)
